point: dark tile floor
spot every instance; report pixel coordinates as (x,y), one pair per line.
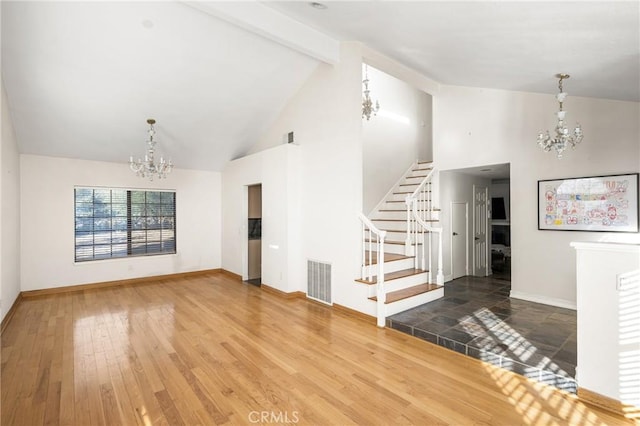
(477,318)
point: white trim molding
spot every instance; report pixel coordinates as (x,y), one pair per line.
(561,303)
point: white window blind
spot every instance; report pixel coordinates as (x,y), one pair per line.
(112,223)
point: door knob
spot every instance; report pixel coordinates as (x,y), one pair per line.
(477,238)
(455,233)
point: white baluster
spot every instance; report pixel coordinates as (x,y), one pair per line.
(429,275)
(364,257)
(370,256)
(380,291)
(407,241)
(440,276)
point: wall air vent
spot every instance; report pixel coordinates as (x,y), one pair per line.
(319,281)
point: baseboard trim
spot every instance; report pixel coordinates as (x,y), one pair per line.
(609,404)
(10,313)
(231,275)
(283,294)
(561,303)
(356,314)
(116,283)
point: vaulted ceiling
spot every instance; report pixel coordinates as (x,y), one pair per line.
(83,77)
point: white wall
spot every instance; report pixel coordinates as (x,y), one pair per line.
(9,213)
(475,127)
(325,116)
(47,225)
(457,187)
(396,137)
(276,170)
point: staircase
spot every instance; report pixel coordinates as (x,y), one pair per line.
(398,240)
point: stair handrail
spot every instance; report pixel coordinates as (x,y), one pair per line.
(422,226)
(380,235)
(423,183)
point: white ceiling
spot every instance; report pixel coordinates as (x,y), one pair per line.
(83,77)
(514,45)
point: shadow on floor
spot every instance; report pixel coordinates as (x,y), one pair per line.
(476,317)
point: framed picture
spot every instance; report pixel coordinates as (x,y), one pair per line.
(597,203)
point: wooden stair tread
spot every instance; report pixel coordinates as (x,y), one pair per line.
(404,192)
(400,220)
(405,293)
(399,243)
(416,177)
(394,275)
(371,258)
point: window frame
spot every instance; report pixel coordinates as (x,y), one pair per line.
(133,229)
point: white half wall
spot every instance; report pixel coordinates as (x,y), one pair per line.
(608,322)
(9,213)
(396,137)
(474,127)
(47,222)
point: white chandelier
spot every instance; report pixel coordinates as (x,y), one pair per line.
(367,104)
(563,138)
(148,167)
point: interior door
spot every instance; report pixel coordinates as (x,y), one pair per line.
(459,226)
(480,227)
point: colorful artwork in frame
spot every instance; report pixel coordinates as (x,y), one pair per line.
(597,203)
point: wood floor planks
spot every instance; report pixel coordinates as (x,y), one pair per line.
(211,350)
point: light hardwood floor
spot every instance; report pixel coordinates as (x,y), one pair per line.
(211,350)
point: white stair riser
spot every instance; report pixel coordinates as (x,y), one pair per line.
(407,186)
(396,265)
(412,302)
(391,248)
(391,225)
(422,205)
(396,235)
(394,248)
(400,283)
(396,215)
(422,168)
(390,214)
(415,178)
(399,197)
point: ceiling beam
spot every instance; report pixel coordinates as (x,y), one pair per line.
(275,26)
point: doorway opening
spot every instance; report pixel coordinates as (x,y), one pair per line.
(486,192)
(254,235)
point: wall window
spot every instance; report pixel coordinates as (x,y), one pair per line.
(119,223)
